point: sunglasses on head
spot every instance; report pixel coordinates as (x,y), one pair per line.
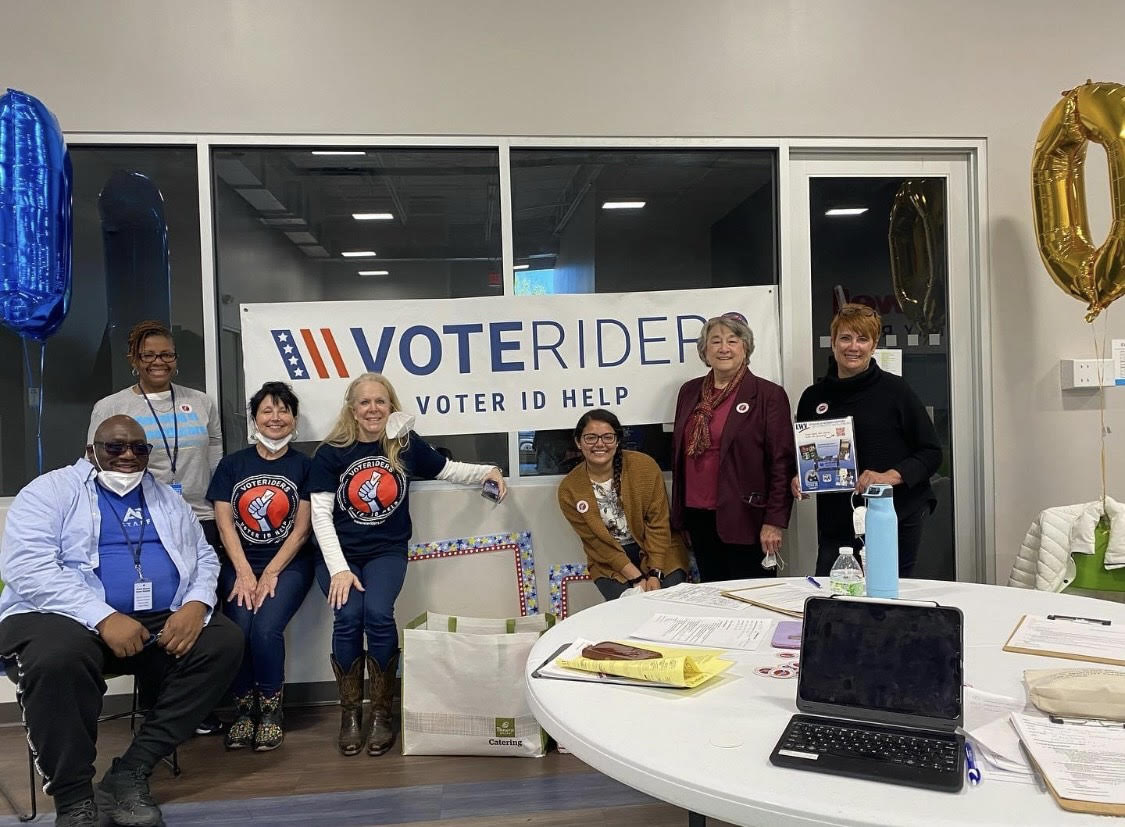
(116,449)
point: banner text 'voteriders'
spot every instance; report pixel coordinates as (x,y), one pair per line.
(500,363)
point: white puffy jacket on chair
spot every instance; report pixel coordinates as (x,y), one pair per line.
(1044,562)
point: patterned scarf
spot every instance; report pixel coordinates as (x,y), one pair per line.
(710,397)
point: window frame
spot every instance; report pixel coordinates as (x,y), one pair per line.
(204,143)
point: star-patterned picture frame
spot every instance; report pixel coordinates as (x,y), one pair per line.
(517,542)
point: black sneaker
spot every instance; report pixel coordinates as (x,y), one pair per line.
(210,725)
(123,796)
(82,814)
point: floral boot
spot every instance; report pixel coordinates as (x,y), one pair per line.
(269,733)
(241,732)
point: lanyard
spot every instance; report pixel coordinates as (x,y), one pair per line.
(173,451)
(134,550)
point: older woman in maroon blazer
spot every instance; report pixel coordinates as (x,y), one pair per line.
(732,457)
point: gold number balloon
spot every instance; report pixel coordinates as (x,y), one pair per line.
(916,238)
(1096,275)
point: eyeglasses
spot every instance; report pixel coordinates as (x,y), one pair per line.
(148,357)
(116,449)
(594,439)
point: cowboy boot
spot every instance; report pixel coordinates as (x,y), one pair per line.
(270,732)
(382,692)
(241,732)
(350,684)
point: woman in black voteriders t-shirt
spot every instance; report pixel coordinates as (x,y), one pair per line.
(359,490)
(896,442)
(261,504)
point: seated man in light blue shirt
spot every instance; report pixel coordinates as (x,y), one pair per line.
(107,570)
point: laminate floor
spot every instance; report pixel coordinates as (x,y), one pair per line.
(307,781)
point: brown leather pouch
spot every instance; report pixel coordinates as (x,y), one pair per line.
(609,650)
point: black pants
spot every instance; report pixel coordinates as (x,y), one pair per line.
(611,589)
(718,560)
(61,665)
(909,539)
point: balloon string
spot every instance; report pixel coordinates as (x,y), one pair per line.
(1099,353)
(31,385)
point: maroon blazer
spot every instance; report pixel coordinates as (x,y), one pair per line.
(756,460)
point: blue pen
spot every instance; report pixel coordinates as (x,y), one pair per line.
(971,769)
(813,581)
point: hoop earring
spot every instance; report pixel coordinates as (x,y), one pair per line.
(135,371)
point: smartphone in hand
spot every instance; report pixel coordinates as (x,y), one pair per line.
(490,490)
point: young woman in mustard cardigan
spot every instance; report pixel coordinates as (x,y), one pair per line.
(616,502)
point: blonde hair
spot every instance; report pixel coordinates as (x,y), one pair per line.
(345,432)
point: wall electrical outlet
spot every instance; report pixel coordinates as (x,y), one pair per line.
(1086,373)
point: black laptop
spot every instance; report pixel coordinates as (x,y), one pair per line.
(881,683)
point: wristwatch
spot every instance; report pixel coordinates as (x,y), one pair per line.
(639,578)
(657,573)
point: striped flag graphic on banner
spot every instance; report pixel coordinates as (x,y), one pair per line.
(289,348)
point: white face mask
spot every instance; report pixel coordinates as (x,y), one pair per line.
(272,445)
(399,424)
(119,482)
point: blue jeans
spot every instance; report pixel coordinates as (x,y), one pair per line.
(263,664)
(371,611)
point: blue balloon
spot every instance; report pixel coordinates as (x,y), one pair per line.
(35,218)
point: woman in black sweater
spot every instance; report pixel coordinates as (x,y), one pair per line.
(896,442)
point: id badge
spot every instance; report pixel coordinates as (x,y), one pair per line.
(178,487)
(142,596)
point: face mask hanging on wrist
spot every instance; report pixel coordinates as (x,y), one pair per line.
(773,560)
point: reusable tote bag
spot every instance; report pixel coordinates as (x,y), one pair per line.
(462,694)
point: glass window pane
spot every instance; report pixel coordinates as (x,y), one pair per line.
(613,220)
(135,257)
(882,242)
(286,216)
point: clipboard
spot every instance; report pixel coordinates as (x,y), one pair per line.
(595,677)
(741,597)
(1051,653)
(1074,805)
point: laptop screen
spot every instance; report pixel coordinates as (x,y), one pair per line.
(881,660)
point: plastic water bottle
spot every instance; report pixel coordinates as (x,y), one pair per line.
(881,566)
(846,577)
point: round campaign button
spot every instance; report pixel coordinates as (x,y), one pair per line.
(787,655)
(822,408)
(742,407)
(764,671)
(582,506)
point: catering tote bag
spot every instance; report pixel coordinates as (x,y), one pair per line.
(462,694)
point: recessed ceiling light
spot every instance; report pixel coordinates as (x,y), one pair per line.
(846,211)
(623,205)
(521,266)
(358,253)
(338,152)
(373,216)
(374,272)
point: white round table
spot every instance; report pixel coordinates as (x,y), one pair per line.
(707,750)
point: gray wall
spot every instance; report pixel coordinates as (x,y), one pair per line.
(877,68)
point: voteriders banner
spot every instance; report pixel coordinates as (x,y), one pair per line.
(501,363)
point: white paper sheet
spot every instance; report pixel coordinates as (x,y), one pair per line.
(696,594)
(712,632)
(1073,637)
(1086,763)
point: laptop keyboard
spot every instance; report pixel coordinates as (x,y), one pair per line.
(894,747)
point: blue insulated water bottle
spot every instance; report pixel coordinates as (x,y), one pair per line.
(882,541)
